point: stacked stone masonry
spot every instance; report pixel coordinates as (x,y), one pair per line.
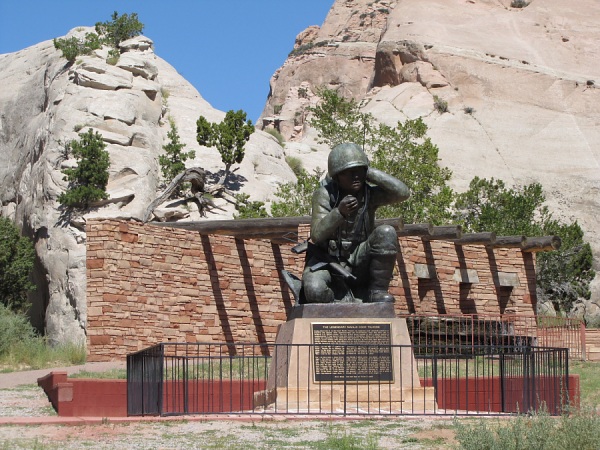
(149,284)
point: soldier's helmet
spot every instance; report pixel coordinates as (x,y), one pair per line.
(345,156)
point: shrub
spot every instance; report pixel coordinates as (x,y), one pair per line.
(172,163)
(229,136)
(14,328)
(119,29)
(72,47)
(469,110)
(295,164)
(17,256)
(277,135)
(21,346)
(110,33)
(113,56)
(563,275)
(294,199)
(518,4)
(249,209)
(88,180)
(302,92)
(440,105)
(535,431)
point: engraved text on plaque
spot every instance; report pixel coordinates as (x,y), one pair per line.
(352,352)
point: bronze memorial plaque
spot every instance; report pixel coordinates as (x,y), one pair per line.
(352,352)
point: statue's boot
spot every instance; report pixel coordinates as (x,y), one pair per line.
(381,272)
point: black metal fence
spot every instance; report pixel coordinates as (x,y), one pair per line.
(185,378)
(461,331)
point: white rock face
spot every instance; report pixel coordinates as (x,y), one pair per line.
(45,102)
(528,76)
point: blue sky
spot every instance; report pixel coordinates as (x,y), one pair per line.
(227,50)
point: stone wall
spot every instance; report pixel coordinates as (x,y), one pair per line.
(149,284)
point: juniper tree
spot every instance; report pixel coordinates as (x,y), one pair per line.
(88,180)
(172,163)
(17,256)
(229,137)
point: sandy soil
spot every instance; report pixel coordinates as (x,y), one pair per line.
(206,433)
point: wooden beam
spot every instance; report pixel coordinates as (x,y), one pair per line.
(242,228)
(476,239)
(508,242)
(396,222)
(416,229)
(541,244)
(444,233)
(272,228)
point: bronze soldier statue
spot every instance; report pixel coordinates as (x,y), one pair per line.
(349,259)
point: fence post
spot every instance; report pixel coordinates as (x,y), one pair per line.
(502,379)
(185,385)
(582,340)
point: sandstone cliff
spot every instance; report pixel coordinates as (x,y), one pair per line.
(44,102)
(521,85)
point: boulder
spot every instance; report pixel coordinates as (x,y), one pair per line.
(522,101)
(141,43)
(138,64)
(44,104)
(95,74)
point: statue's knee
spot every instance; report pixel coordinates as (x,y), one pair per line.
(384,241)
(316,289)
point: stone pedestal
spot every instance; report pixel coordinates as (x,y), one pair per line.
(379,378)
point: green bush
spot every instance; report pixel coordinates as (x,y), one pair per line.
(113,56)
(14,329)
(440,105)
(295,164)
(247,209)
(277,135)
(564,275)
(17,256)
(172,163)
(518,4)
(119,29)
(229,136)
(294,199)
(72,47)
(88,180)
(578,430)
(110,33)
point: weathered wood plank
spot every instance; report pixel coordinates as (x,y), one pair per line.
(444,233)
(508,242)
(485,238)
(541,244)
(416,229)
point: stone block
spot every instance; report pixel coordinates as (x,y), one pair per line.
(425,271)
(508,279)
(468,276)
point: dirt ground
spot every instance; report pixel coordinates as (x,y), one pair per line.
(212,433)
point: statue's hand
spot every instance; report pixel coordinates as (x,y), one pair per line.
(348,205)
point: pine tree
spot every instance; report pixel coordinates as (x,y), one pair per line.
(172,163)
(88,180)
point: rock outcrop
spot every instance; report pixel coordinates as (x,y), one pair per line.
(45,102)
(520,83)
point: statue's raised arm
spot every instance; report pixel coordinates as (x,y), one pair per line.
(350,260)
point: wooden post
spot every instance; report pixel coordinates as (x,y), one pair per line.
(444,233)
(476,239)
(541,244)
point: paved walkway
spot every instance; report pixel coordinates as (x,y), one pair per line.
(13,379)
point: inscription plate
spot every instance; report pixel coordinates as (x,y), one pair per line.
(352,352)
